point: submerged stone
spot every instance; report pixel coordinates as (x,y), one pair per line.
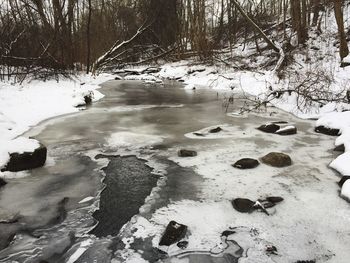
(186,153)
(2,182)
(182,244)
(328,131)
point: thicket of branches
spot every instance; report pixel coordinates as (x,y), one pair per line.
(60,35)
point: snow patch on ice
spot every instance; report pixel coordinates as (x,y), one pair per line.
(228,131)
(205,220)
(133,140)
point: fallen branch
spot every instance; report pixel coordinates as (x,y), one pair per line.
(264,36)
(116,47)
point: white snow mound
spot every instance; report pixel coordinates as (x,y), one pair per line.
(342,163)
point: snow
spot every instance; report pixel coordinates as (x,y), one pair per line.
(346,59)
(24,105)
(190,87)
(144,77)
(86,199)
(282,129)
(335,120)
(228,131)
(342,163)
(205,220)
(18,145)
(133,140)
(344,138)
(21,144)
(345,191)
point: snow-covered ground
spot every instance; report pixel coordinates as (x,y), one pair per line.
(24,105)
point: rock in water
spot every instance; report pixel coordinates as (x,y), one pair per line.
(274,199)
(215,130)
(246,163)
(243,205)
(288,130)
(339,148)
(174,232)
(269,128)
(345,190)
(327,131)
(27,160)
(2,182)
(271,201)
(88,99)
(186,153)
(341,182)
(267,204)
(227,233)
(276,159)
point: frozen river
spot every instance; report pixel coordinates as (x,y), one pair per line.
(126,145)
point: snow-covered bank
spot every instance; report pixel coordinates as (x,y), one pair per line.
(258,83)
(25,105)
(340,121)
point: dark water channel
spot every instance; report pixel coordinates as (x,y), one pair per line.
(128,182)
(47,228)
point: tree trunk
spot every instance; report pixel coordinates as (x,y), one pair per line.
(316,6)
(344,50)
(88,38)
(263,35)
(298,14)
